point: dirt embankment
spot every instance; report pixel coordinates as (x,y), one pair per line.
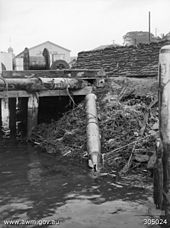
(128,121)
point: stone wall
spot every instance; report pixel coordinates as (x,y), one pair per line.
(140,60)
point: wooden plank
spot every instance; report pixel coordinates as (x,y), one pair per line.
(69,73)
(32,114)
(86,90)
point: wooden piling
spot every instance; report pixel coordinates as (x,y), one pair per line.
(5,115)
(12,116)
(0,119)
(32,114)
(164,117)
(22,108)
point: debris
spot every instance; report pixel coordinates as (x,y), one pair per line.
(128,121)
(141,157)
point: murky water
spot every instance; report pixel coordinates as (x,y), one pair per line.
(38,186)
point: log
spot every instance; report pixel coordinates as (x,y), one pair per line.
(93,135)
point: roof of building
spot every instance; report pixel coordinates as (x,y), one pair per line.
(42,44)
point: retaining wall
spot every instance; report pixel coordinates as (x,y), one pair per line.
(140,60)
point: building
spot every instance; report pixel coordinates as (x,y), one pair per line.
(136,37)
(56,52)
(6,60)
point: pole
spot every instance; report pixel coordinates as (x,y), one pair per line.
(149,27)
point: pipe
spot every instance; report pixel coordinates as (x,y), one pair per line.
(93,135)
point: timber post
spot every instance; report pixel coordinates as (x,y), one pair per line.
(5,114)
(164,127)
(23,107)
(12,116)
(32,114)
(0,117)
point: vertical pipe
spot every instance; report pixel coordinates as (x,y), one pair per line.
(32,114)
(164,117)
(93,135)
(12,116)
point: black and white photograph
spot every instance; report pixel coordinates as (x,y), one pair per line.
(85,113)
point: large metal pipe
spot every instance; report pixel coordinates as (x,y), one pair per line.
(93,135)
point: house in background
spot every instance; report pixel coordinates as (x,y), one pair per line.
(56,53)
(136,37)
(6,60)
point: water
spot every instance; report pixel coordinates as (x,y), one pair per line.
(36,186)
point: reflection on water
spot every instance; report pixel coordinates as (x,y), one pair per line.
(40,186)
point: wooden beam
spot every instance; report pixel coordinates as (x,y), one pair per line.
(86,90)
(69,73)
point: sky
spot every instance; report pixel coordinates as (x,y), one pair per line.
(78,25)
